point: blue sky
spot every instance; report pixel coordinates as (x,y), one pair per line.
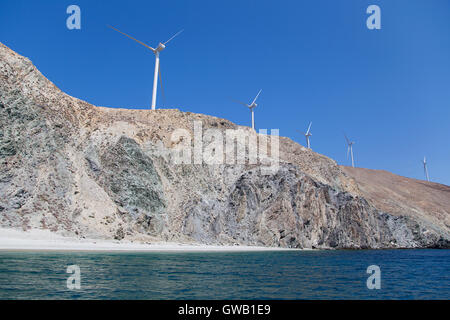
(388,89)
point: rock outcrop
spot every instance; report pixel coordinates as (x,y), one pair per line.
(109,173)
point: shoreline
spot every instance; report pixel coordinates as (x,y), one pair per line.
(45,240)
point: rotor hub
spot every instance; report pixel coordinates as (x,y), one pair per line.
(160,47)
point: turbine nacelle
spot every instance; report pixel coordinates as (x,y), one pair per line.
(307,134)
(160,47)
(251,106)
(350,143)
(350,149)
(425,168)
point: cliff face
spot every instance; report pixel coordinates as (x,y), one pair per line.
(97,172)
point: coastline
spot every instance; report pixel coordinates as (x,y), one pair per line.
(45,240)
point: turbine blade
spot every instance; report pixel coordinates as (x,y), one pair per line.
(237,101)
(348,151)
(307,132)
(348,141)
(254,100)
(132,38)
(173,36)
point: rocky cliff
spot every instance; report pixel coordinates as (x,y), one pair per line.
(95,172)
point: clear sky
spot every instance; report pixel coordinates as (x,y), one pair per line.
(315,60)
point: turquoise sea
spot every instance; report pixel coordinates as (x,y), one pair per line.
(341,274)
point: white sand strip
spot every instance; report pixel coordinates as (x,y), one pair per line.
(12,239)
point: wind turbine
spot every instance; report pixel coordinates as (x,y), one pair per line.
(350,149)
(307,135)
(425,169)
(251,106)
(161,46)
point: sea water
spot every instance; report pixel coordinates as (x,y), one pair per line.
(340,274)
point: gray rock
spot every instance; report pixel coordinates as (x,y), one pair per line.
(96,172)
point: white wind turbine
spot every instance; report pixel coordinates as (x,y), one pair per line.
(350,149)
(425,169)
(161,46)
(251,106)
(307,135)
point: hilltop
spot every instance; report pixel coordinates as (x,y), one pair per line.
(93,172)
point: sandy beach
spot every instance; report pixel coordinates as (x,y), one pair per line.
(35,239)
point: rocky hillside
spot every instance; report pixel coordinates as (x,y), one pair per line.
(95,172)
(418,199)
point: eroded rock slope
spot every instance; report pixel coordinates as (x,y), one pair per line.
(98,172)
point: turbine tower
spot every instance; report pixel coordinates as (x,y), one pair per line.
(350,149)
(307,135)
(159,48)
(425,169)
(251,106)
